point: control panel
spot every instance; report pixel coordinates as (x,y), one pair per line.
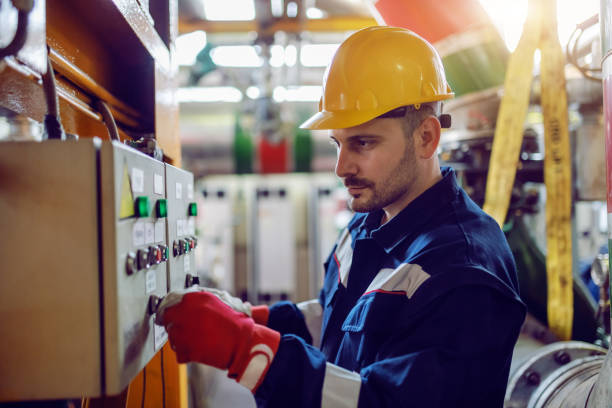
(182,211)
(88,234)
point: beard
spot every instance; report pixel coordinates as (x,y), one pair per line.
(379,195)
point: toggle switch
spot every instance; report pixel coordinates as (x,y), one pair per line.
(163,250)
(154,302)
(176,248)
(191,280)
(154,255)
(142,257)
(130,263)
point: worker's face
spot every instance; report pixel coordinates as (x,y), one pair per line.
(376,162)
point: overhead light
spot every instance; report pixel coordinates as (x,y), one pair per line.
(188,46)
(228,10)
(276,7)
(292,9)
(314,13)
(317,55)
(236,56)
(306,93)
(253,92)
(209,94)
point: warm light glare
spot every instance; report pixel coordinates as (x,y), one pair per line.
(311,93)
(188,46)
(509,17)
(209,94)
(317,55)
(236,56)
(314,13)
(227,10)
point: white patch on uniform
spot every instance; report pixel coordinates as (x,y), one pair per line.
(313,315)
(406,277)
(262,357)
(344,253)
(341,387)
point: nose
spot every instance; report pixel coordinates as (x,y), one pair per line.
(346,165)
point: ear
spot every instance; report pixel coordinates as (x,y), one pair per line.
(427,137)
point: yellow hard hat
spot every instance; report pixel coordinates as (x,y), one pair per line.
(375,70)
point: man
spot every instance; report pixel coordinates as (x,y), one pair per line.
(420,304)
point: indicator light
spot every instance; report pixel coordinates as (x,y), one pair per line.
(185,246)
(193,209)
(161,207)
(191,243)
(141,206)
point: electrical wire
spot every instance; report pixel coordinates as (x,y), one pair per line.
(144,386)
(24,8)
(53,126)
(108,119)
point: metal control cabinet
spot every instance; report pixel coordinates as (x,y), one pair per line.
(182,211)
(80,259)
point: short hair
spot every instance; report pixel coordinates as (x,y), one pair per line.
(413,115)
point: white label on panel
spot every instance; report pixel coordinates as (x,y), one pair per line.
(179,191)
(191,226)
(138,234)
(158,184)
(186,264)
(137,180)
(160,335)
(149,233)
(150,281)
(160,231)
(190,191)
(179,228)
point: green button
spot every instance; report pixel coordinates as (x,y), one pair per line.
(162,208)
(193,209)
(142,206)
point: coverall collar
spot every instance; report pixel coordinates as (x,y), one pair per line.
(413,215)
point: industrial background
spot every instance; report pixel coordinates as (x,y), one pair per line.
(150,145)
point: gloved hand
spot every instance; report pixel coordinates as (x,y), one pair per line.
(258,313)
(202,328)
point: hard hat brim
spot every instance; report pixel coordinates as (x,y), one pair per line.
(344,119)
(337,120)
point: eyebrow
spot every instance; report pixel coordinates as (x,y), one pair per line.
(358,137)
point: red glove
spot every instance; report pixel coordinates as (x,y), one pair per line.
(204,329)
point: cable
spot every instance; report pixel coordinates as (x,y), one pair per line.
(20,37)
(144,386)
(53,126)
(163,379)
(108,119)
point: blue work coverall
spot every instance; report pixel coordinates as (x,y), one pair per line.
(422,311)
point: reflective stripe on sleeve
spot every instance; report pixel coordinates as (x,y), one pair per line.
(340,388)
(313,315)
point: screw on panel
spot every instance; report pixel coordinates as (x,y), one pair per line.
(562,357)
